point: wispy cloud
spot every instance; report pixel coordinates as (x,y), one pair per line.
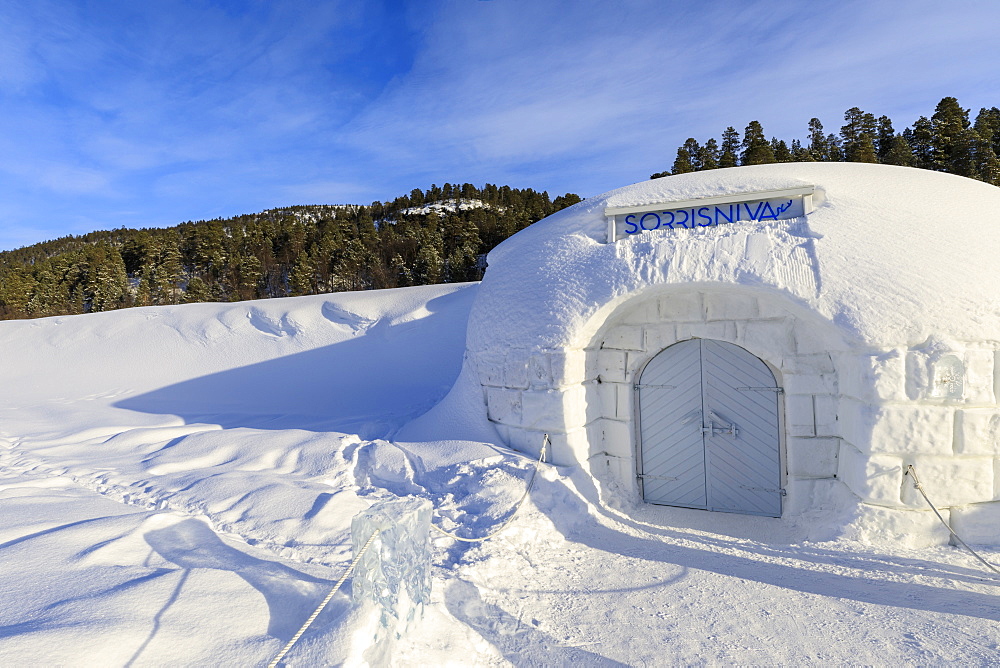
(181,109)
(507,85)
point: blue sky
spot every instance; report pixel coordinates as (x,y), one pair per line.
(145,114)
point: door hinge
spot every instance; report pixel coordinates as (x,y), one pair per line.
(779,390)
(655,477)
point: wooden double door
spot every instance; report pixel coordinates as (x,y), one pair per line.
(709,430)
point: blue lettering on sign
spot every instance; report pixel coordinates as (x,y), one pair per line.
(702,214)
(731,218)
(706,216)
(642,221)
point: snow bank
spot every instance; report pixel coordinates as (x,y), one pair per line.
(360,362)
(166,470)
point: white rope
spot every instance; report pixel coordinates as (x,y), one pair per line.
(357,557)
(541,458)
(315,614)
(910,471)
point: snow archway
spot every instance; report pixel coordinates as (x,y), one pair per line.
(800,349)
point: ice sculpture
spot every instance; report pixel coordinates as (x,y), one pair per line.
(394,573)
(949,378)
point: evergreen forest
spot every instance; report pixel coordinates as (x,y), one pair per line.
(949,141)
(440,235)
(434,236)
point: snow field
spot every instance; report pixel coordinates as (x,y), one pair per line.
(177,486)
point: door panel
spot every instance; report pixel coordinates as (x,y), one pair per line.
(672,461)
(744,471)
(708,425)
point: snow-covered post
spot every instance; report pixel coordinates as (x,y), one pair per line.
(394,574)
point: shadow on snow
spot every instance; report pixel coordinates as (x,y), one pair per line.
(367,385)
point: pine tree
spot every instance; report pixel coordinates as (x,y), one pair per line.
(367,231)
(921,140)
(800,153)
(987,164)
(835,153)
(197,291)
(728,151)
(682,163)
(899,153)
(864,149)
(563,201)
(693,149)
(17,287)
(429,265)
(464,246)
(857,124)
(206,244)
(302,280)
(247,276)
(709,156)
(988,126)
(819,148)
(162,274)
(962,154)
(884,136)
(756,148)
(950,146)
(780,150)
(107,283)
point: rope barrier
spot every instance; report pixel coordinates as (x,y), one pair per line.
(541,458)
(315,614)
(910,471)
(357,557)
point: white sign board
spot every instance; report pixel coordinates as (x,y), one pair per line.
(761,206)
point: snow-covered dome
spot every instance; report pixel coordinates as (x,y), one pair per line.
(889,255)
(865,296)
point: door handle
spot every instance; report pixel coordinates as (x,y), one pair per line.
(712,430)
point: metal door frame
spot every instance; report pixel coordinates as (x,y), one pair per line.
(637,423)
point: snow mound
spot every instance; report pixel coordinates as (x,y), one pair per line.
(362,363)
(890,255)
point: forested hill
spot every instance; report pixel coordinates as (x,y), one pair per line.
(435,236)
(949,141)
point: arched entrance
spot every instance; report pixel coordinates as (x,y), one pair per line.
(708,429)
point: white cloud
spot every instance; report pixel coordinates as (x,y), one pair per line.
(74,180)
(511,84)
(178,110)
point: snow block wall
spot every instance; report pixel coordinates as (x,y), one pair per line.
(760,323)
(875,313)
